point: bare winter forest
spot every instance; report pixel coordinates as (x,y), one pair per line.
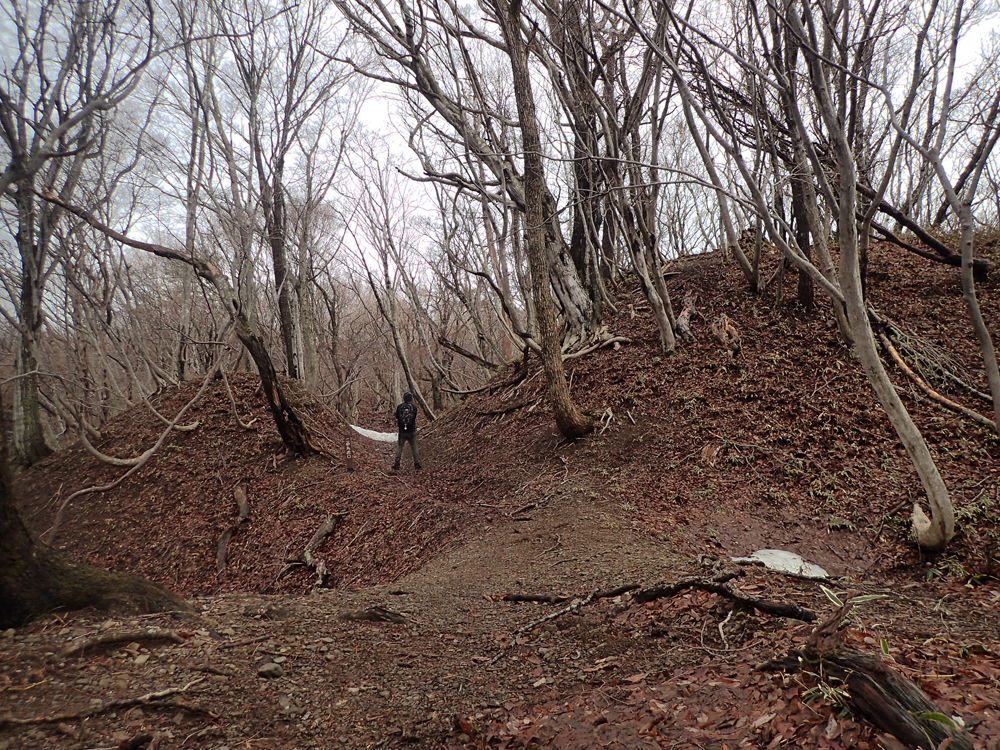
(324,204)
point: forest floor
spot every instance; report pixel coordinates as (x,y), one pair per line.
(698,458)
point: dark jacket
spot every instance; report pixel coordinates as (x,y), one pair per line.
(406,418)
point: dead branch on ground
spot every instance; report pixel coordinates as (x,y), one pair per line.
(934,395)
(927,360)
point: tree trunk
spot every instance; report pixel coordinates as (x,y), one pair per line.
(28,436)
(934,533)
(36,579)
(571,421)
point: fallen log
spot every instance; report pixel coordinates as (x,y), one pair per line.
(243,508)
(874,690)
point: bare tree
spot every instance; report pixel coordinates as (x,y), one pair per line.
(72,65)
(284,80)
(570,420)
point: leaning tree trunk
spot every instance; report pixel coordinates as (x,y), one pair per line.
(36,579)
(294,434)
(571,421)
(932,533)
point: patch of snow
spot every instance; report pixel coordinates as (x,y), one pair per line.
(786,562)
(382,437)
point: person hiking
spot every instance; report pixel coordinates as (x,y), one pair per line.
(406,418)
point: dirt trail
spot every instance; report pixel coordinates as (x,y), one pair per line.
(292,672)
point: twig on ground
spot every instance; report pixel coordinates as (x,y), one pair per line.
(245,642)
(535,623)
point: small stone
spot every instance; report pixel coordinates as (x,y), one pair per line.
(385,693)
(270,671)
(280,659)
(142,658)
(133,646)
(8,633)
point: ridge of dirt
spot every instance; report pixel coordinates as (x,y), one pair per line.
(699,457)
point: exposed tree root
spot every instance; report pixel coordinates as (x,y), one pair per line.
(148,699)
(123,636)
(688,311)
(232,403)
(719,585)
(50,535)
(874,690)
(610,341)
(373,614)
(307,558)
(243,506)
(535,623)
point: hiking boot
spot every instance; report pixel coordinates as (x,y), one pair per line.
(417,466)
(395,467)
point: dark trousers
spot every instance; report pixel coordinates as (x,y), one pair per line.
(411,438)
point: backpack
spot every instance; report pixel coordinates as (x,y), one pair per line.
(406,416)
